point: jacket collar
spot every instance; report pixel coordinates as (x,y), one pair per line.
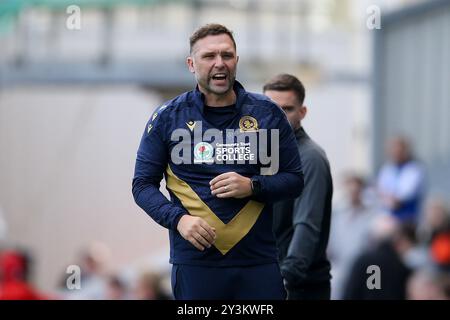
(301,134)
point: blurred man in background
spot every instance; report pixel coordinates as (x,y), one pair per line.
(94,280)
(436,219)
(115,288)
(220,213)
(149,287)
(302,225)
(428,285)
(401,182)
(390,243)
(352,215)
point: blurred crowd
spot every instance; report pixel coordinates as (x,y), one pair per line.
(390,222)
(94,283)
(393,224)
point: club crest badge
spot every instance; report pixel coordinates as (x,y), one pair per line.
(248,123)
(203,153)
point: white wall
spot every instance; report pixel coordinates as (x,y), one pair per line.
(66,165)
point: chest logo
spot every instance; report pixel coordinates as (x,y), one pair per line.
(191,125)
(203,153)
(247,123)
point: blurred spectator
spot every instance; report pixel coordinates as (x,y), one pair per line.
(388,255)
(149,287)
(115,289)
(401,183)
(436,219)
(93,281)
(427,285)
(413,254)
(350,227)
(440,250)
(14,271)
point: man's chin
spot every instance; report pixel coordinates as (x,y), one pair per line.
(219,90)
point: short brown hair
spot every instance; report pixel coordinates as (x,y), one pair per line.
(286,82)
(212,29)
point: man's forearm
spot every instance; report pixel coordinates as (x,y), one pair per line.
(300,254)
(155,204)
(281,186)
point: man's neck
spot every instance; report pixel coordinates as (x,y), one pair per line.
(214,100)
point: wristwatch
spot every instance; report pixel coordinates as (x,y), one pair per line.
(256,186)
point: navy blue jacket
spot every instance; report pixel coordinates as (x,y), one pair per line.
(176,144)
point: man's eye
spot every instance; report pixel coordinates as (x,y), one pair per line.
(288,109)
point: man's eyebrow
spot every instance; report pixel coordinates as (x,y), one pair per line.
(207,52)
(215,51)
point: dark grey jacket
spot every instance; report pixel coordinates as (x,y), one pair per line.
(302,226)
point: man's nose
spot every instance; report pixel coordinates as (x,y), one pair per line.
(219,61)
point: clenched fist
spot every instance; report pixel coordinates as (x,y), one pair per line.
(197,231)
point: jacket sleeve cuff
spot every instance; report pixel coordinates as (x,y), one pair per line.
(176,220)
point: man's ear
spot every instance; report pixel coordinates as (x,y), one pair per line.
(303,112)
(190,64)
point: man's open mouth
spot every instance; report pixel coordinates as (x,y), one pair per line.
(219,76)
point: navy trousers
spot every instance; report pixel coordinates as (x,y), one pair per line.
(258,282)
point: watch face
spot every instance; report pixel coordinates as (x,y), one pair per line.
(256,186)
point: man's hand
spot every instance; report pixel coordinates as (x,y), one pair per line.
(231,185)
(197,231)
